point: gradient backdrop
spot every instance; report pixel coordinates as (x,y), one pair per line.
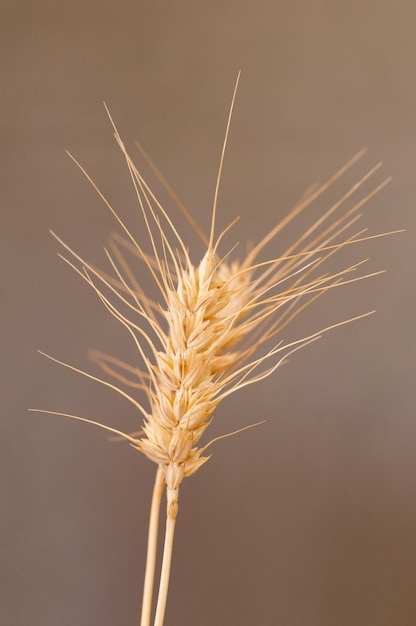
(309,520)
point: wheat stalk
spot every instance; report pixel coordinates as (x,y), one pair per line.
(200,343)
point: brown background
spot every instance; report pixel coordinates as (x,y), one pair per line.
(309,520)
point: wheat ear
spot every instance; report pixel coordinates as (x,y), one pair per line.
(205,337)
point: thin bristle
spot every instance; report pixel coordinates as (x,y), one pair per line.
(217,184)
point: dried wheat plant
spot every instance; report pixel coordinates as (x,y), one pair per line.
(200,342)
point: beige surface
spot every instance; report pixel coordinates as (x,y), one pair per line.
(309,520)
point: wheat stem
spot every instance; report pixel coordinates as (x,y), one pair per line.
(172,510)
(152,547)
